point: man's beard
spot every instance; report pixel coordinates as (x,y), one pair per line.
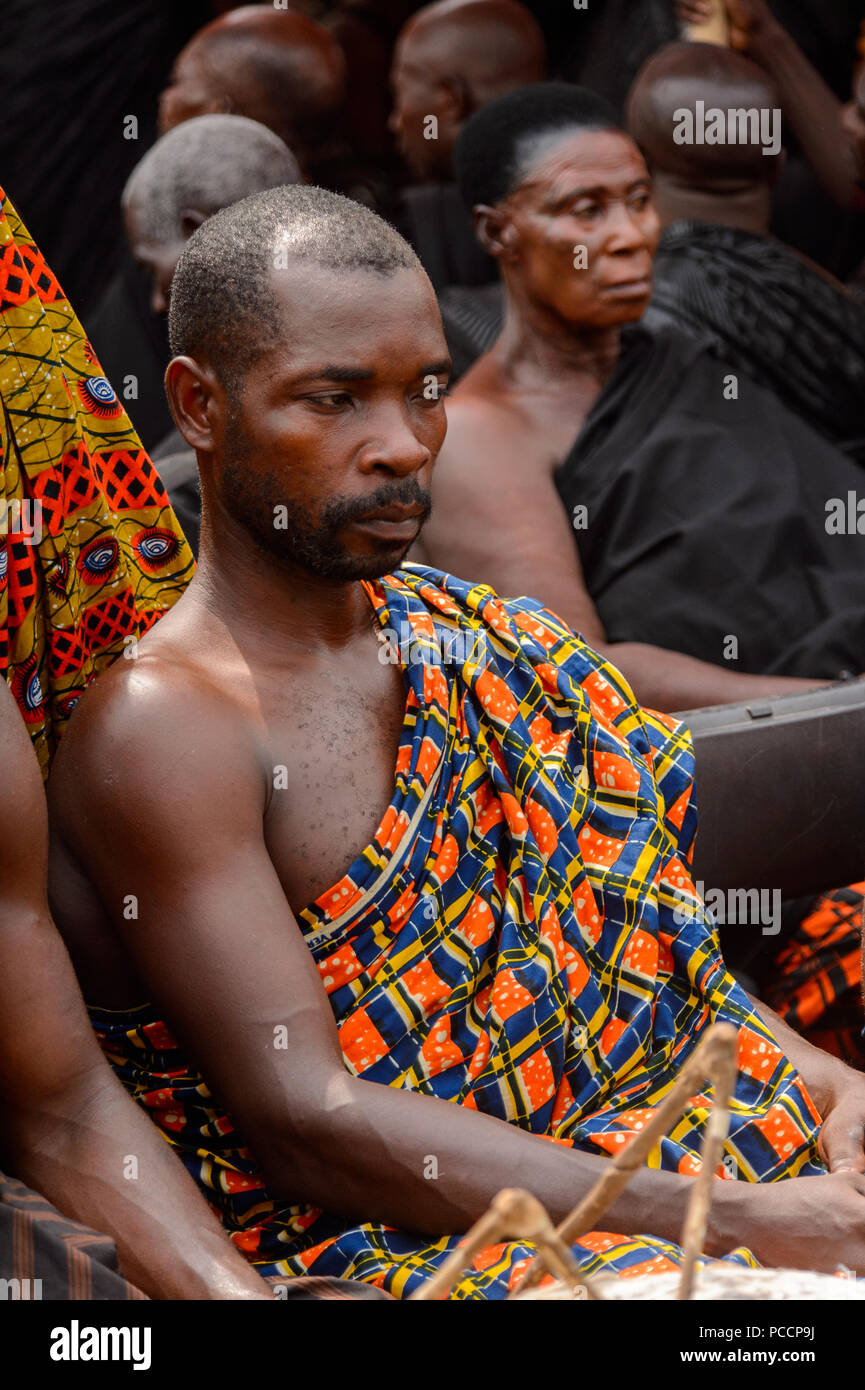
(292,534)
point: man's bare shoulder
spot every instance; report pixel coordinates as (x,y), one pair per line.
(155,716)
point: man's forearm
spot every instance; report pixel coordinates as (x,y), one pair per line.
(813,110)
(425,1164)
(672,681)
(108,1167)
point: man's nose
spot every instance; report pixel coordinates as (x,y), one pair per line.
(394,446)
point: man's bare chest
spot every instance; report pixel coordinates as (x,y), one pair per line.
(331,750)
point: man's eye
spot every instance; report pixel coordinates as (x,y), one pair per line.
(639,201)
(434,391)
(332,399)
(588,210)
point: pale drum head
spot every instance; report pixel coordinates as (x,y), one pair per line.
(717,1282)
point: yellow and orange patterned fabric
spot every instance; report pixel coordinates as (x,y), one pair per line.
(91,554)
(521,937)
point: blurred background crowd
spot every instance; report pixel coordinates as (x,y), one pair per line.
(88,84)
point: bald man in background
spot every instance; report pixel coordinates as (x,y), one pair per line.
(719,274)
(277,67)
(452,58)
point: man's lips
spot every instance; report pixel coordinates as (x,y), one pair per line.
(397,511)
(395,523)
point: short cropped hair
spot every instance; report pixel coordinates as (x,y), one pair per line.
(222,305)
(496,144)
(204,164)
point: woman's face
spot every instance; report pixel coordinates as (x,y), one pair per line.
(583,189)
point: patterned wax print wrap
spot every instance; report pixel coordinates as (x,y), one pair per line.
(91,554)
(816,979)
(513,940)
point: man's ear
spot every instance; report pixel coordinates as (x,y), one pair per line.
(195,399)
(451,106)
(494,230)
(190,220)
(454,100)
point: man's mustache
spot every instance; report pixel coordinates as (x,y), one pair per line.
(402,494)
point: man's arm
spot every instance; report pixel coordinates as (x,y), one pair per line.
(67,1127)
(212,911)
(812,108)
(497,518)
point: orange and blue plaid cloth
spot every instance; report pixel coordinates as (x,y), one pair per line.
(513,940)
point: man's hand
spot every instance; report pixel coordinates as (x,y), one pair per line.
(751,21)
(842,1138)
(800,1223)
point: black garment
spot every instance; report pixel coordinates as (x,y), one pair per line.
(769,313)
(434,219)
(71,74)
(707,518)
(604,45)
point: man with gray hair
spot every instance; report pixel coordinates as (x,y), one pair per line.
(199,167)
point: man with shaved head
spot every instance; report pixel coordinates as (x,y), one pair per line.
(275,66)
(205,164)
(732,179)
(719,274)
(451,58)
(407,854)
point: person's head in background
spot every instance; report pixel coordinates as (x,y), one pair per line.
(729,182)
(203,165)
(452,58)
(277,67)
(562,199)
